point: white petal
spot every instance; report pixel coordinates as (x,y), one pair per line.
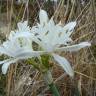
(12,33)
(2,50)
(23,34)
(5,50)
(68,28)
(34,29)
(29,54)
(64,64)
(4,61)
(74,47)
(22,25)
(43,17)
(25,23)
(6,65)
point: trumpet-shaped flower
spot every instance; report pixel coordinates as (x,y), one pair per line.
(55,37)
(18,46)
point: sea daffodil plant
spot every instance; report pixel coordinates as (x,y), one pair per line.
(55,38)
(51,39)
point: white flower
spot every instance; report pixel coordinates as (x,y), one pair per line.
(22,31)
(52,36)
(18,46)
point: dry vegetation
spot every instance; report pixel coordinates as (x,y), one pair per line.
(22,79)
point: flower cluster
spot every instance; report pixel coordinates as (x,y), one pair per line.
(50,37)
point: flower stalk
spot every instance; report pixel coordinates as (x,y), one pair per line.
(47,75)
(49,81)
(54,89)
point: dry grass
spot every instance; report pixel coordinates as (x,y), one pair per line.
(22,79)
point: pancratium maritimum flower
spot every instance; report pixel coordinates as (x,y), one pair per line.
(18,46)
(51,37)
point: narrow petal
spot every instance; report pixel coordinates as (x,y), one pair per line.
(22,25)
(4,50)
(12,33)
(64,64)
(4,61)
(43,17)
(23,34)
(6,65)
(68,28)
(74,47)
(29,54)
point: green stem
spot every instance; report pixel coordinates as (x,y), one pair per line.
(49,80)
(54,89)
